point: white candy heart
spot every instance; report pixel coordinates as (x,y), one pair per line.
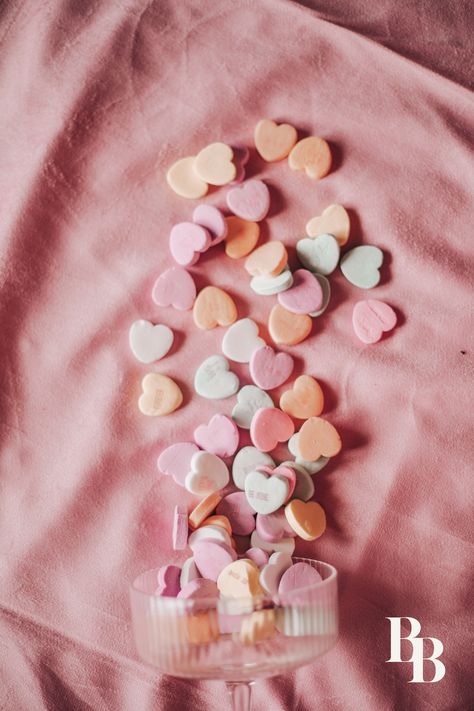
(208,474)
(361,266)
(326,287)
(272,572)
(214,380)
(264,493)
(320,254)
(249,400)
(189,572)
(216,533)
(266,286)
(304,487)
(285,545)
(241,340)
(149,342)
(247,460)
(311,467)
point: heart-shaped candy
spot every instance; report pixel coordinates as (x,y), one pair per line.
(272,572)
(371,319)
(270,426)
(297,577)
(273,527)
(320,254)
(306,518)
(189,572)
(304,296)
(242,236)
(312,155)
(175,287)
(212,219)
(168,581)
(240,514)
(265,493)
(287,328)
(268,369)
(287,473)
(218,520)
(304,488)
(268,260)
(274,142)
(240,579)
(208,474)
(149,342)
(212,557)
(249,400)
(258,556)
(241,340)
(187,241)
(214,380)
(220,436)
(205,533)
(250,201)
(326,289)
(311,467)
(214,164)
(361,266)
(334,220)
(304,400)
(180,528)
(284,545)
(247,460)
(199,588)
(267,285)
(316,438)
(160,395)
(214,307)
(175,460)
(183,180)
(203,509)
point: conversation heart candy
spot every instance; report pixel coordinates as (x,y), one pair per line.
(208,474)
(203,509)
(160,396)
(246,460)
(148,342)
(241,340)
(180,528)
(361,266)
(212,557)
(304,400)
(176,288)
(187,241)
(304,296)
(270,426)
(168,581)
(274,526)
(285,545)
(189,572)
(268,369)
(258,556)
(272,572)
(312,155)
(199,588)
(326,289)
(250,201)
(257,627)
(311,467)
(287,473)
(320,254)
(214,164)
(287,328)
(265,493)
(240,579)
(334,221)
(205,533)
(183,180)
(241,516)
(242,237)
(249,400)
(269,285)
(214,307)
(371,319)
(304,486)
(268,260)
(213,379)
(272,141)
(298,576)
(220,436)
(175,460)
(212,219)
(306,518)
(318,437)
(218,520)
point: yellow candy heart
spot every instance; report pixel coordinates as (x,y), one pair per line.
(240,579)
(160,395)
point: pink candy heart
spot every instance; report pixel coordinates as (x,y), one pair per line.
(250,201)
(212,219)
(304,296)
(286,472)
(168,581)
(220,436)
(299,584)
(187,241)
(175,460)
(371,318)
(211,557)
(269,369)
(273,527)
(175,287)
(199,588)
(239,512)
(270,426)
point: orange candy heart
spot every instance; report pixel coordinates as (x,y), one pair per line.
(306,518)
(268,260)
(258,626)
(221,521)
(318,438)
(242,236)
(214,307)
(312,155)
(204,508)
(287,328)
(274,142)
(160,395)
(304,400)
(334,221)
(214,164)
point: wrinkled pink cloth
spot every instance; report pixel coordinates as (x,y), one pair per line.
(98,99)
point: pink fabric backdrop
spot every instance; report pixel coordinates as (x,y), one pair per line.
(97,100)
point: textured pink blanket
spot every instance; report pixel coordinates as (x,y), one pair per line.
(98,98)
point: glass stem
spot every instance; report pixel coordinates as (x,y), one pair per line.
(240,693)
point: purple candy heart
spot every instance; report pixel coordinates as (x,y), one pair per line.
(274,526)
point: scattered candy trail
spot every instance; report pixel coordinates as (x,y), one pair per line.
(272,503)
